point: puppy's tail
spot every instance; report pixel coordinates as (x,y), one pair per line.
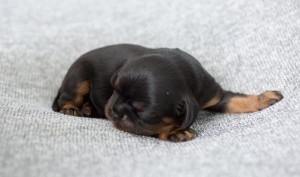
(55,105)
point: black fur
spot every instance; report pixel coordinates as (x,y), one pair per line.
(145,85)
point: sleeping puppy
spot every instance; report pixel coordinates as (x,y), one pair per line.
(151,92)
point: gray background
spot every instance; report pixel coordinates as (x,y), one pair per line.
(248,46)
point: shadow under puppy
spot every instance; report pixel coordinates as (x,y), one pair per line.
(152,92)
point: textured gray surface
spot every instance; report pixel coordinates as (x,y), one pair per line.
(249,46)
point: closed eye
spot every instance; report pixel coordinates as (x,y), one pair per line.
(139,106)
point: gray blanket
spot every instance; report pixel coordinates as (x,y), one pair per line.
(248,46)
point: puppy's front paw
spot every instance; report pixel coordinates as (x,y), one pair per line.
(179,136)
(70,109)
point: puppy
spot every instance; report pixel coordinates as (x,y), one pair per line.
(151,92)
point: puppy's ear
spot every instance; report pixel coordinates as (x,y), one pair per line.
(187,111)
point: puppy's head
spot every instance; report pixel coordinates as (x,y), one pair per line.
(150,98)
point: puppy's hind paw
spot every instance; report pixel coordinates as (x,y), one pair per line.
(268,98)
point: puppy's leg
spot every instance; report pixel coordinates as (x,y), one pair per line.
(72,97)
(229,102)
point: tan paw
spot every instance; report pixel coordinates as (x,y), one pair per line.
(179,136)
(71,112)
(268,98)
(70,109)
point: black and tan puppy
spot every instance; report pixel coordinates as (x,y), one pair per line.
(152,92)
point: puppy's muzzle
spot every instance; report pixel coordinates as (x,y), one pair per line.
(122,111)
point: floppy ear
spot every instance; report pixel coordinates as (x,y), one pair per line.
(187,110)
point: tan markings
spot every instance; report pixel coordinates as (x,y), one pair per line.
(211,102)
(70,109)
(167,127)
(190,134)
(168,120)
(107,109)
(69,106)
(163,136)
(253,103)
(182,135)
(82,89)
(242,104)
